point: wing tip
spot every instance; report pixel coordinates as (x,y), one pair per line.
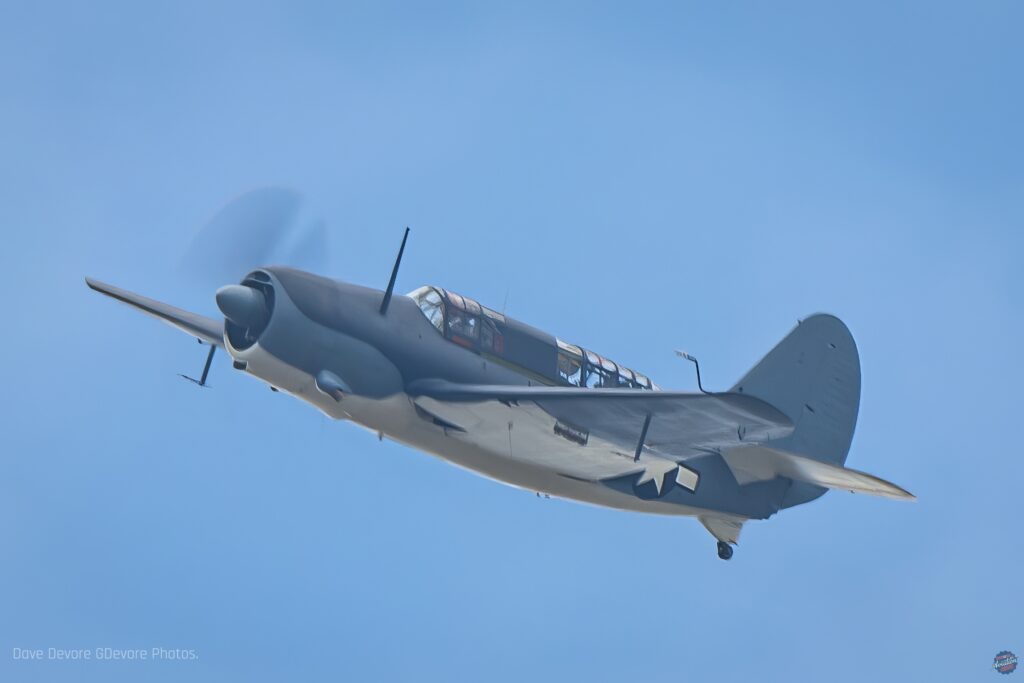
(905,495)
(887,489)
(894,491)
(98,285)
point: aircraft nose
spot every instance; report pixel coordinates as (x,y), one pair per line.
(244,306)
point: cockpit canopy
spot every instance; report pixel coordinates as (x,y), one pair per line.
(533,352)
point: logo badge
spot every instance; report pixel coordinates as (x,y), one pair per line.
(1005,662)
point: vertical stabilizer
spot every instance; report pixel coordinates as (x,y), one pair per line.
(813,376)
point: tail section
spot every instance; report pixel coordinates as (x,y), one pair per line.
(760,463)
(813,376)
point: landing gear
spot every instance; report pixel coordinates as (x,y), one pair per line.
(724,550)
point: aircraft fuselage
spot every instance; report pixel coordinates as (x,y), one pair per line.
(325,343)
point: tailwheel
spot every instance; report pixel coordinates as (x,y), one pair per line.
(724,550)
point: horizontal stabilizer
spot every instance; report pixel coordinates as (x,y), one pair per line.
(758,463)
(208,330)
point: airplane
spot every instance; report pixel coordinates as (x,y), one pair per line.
(444,374)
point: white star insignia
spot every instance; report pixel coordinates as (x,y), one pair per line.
(655,470)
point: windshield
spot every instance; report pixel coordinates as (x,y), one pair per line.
(430,303)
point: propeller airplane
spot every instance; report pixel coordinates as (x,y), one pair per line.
(447,375)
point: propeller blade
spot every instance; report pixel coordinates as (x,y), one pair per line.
(249,231)
(308,250)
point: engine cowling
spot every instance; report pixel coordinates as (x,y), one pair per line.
(247,309)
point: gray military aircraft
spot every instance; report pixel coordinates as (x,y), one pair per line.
(444,374)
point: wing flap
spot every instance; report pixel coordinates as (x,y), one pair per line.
(208,330)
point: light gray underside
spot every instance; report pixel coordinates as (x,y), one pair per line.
(682,424)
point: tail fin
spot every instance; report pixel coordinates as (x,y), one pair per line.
(813,376)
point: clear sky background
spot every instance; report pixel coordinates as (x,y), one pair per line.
(636,177)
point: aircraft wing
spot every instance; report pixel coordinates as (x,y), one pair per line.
(681,424)
(208,330)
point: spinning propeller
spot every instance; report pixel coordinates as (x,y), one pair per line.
(260,227)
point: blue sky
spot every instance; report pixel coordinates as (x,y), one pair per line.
(637,177)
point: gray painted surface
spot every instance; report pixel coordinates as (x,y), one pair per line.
(206,329)
(326,342)
(813,376)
